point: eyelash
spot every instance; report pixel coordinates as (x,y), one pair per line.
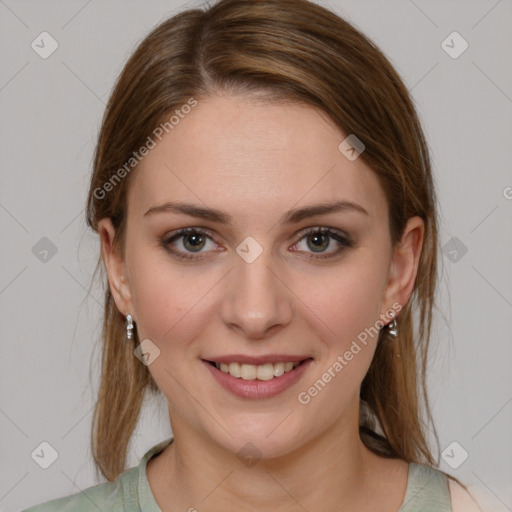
(344,241)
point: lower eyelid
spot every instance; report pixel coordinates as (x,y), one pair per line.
(342,247)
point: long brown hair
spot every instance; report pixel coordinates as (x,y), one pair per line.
(288,50)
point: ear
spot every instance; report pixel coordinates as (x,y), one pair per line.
(404,265)
(116,268)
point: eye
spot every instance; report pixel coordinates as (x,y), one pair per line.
(319,242)
(320,239)
(185,242)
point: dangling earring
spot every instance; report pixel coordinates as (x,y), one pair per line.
(393,328)
(129,326)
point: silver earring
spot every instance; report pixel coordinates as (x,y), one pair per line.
(129,326)
(393,328)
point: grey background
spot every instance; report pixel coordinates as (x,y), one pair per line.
(51,111)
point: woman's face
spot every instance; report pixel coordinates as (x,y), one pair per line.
(254,283)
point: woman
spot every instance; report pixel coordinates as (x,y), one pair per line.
(263,195)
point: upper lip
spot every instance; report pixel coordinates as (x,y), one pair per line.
(257,360)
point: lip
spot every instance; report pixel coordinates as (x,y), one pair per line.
(257,389)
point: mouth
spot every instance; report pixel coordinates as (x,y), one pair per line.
(264,372)
(257,378)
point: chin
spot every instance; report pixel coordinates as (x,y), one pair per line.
(264,438)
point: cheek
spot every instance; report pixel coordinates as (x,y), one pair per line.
(346,308)
(347,300)
(162,304)
(169,299)
(171,306)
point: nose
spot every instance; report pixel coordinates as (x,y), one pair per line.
(257,302)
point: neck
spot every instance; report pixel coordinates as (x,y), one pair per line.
(196,473)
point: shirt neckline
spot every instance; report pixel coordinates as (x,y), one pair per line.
(148,501)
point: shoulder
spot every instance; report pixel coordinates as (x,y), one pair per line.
(130,492)
(107,496)
(427,490)
(462,501)
(430,489)
(474,499)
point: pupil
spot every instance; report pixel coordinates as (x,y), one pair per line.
(194,241)
(320,241)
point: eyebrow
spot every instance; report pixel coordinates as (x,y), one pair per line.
(290,217)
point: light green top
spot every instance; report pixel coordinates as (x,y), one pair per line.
(427,491)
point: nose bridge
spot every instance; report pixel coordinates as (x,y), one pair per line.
(256,300)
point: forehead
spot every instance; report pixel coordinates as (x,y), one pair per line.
(251,156)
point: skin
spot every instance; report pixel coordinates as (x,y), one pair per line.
(255,161)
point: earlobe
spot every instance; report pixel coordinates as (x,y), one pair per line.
(115,267)
(405,262)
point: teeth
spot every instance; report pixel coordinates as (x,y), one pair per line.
(234,369)
(247,371)
(266,371)
(278,369)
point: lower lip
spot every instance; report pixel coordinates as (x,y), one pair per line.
(258,388)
